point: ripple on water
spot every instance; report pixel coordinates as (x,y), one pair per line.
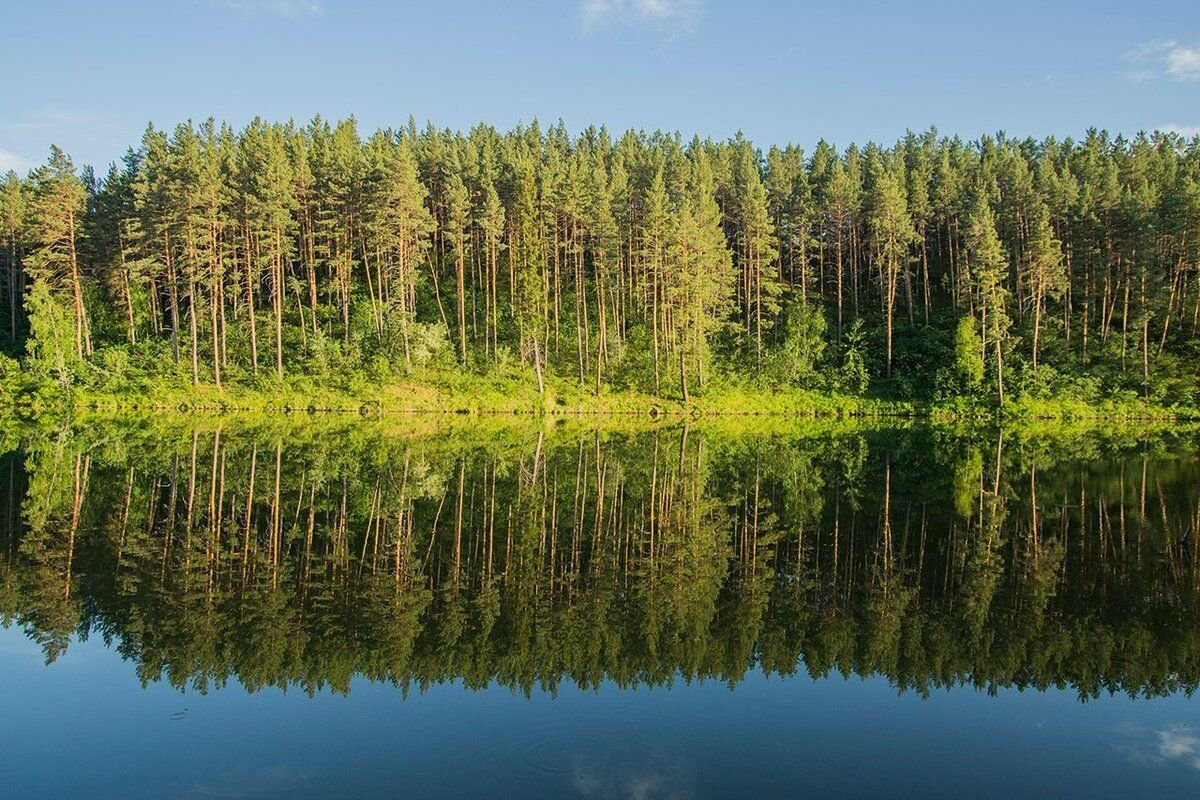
(562,754)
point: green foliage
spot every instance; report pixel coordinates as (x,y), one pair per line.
(968,355)
(853,375)
(798,360)
(430,345)
(51,347)
(968,483)
(12,383)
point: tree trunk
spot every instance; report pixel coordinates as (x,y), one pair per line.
(683,375)
(1000,370)
(460,277)
(250,307)
(195,336)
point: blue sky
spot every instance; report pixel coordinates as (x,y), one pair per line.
(89,75)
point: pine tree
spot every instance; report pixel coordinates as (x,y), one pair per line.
(655,229)
(458,237)
(414,226)
(789,195)
(918,169)
(891,234)
(111,232)
(1043,268)
(266,187)
(839,200)
(13,210)
(988,268)
(700,276)
(603,245)
(525,263)
(57,205)
(756,247)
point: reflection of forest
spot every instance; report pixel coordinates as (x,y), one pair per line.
(932,558)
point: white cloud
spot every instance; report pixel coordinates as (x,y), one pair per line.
(1183,63)
(10,160)
(1163,58)
(1186,131)
(682,14)
(638,777)
(292,9)
(1179,744)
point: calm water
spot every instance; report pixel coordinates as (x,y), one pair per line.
(388,608)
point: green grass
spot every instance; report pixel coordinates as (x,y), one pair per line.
(451,391)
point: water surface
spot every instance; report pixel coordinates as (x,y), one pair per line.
(364,609)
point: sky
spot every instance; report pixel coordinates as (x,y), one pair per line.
(88,76)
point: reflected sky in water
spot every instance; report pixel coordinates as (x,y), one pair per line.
(769,736)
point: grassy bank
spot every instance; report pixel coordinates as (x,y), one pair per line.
(453,392)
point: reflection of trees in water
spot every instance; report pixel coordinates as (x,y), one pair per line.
(933,559)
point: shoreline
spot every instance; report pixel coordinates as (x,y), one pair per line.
(478,396)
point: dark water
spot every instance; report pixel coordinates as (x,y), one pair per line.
(388,608)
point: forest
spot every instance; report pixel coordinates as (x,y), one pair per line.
(960,274)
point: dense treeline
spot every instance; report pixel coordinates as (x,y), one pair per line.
(935,268)
(929,557)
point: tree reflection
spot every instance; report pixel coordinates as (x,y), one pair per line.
(932,557)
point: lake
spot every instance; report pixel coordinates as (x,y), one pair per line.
(473,607)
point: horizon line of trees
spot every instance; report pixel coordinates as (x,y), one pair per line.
(934,267)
